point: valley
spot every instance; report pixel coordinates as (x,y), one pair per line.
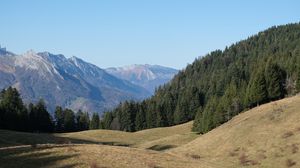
(265,136)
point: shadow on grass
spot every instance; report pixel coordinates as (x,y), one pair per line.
(13,138)
(161,147)
(30,150)
(31,157)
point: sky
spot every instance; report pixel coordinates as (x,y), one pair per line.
(113,33)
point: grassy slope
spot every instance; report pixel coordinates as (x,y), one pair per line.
(266,136)
(64,152)
(142,139)
(162,137)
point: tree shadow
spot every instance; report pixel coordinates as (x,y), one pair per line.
(161,147)
(31,157)
(8,139)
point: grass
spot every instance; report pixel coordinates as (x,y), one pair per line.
(266,136)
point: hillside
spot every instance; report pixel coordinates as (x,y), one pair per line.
(70,83)
(265,136)
(216,87)
(146,76)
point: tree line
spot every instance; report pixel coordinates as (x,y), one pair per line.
(214,88)
(15,115)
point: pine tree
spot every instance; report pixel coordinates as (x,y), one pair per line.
(107,120)
(41,118)
(257,91)
(140,119)
(274,80)
(94,124)
(197,122)
(13,110)
(82,120)
(151,115)
(59,118)
(69,120)
(181,111)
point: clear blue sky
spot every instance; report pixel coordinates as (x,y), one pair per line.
(121,32)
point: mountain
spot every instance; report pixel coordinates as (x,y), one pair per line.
(146,76)
(216,87)
(71,83)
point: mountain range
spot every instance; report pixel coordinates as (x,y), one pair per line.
(67,82)
(146,76)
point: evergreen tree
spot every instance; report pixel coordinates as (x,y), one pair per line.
(257,92)
(59,117)
(140,120)
(82,120)
(151,115)
(127,115)
(14,113)
(197,122)
(180,114)
(274,80)
(94,124)
(40,118)
(69,120)
(107,120)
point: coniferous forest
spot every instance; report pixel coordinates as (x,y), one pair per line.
(210,91)
(220,85)
(15,115)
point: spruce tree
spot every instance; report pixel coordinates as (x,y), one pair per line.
(14,112)
(274,80)
(197,127)
(140,119)
(107,120)
(82,120)
(257,92)
(95,121)
(69,120)
(59,118)
(41,117)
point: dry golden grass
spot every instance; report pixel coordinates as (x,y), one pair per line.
(266,136)
(168,136)
(96,156)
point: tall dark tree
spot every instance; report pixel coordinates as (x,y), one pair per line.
(69,120)
(257,91)
(59,117)
(107,120)
(82,120)
(94,124)
(197,124)
(275,81)
(14,112)
(40,118)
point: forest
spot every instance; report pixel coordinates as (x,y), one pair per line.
(15,115)
(216,87)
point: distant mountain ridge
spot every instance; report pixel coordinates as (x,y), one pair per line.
(68,82)
(146,76)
